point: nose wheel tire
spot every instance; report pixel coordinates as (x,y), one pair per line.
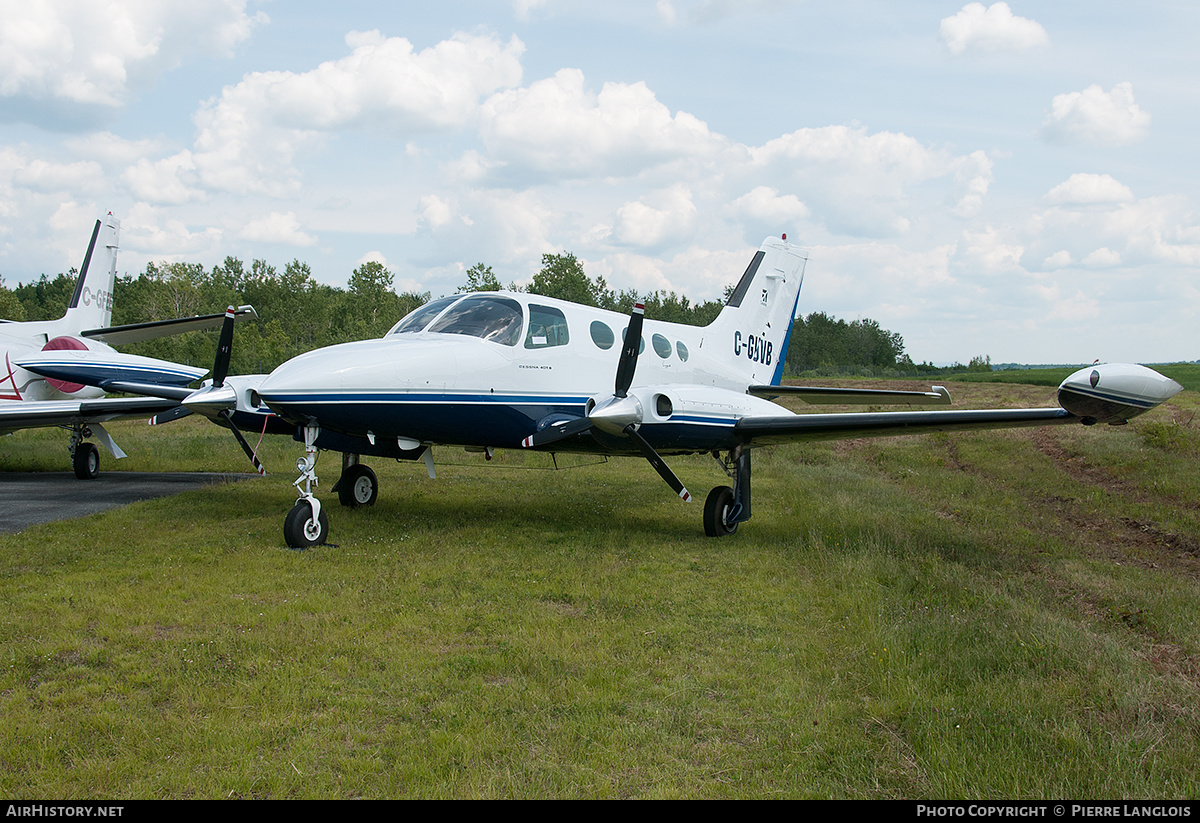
(87,461)
(301,531)
(357,486)
(716,509)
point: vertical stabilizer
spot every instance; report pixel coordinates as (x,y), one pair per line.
(756,324)
(91,303)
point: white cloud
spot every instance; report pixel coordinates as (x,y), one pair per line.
(859,183)
(112,149)
(988,252)
(83,52)
(994,28)
(1102,258)
(277,227)
(170,181)
(44,176)
(657,219)
(1087,189)
(1096,117)
(767,204)
(557,125)
(249,138)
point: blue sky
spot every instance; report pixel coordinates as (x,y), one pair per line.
(1014,179)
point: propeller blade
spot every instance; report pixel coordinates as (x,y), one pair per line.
(557,431)
(224,348)
(629,351)
(168,416)
(658,463)
(258,466)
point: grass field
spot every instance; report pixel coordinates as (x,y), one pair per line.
(986,615)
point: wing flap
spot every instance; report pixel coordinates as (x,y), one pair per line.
(831,395)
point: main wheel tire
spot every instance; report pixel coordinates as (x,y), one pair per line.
(716,508)
(87,461)
(299,529)
(357,486)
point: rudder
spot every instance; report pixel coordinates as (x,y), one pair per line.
(756,322)
(91,302)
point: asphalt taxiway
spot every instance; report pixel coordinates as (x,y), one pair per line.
(29,498)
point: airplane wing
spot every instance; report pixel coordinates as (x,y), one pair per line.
(765,431)
(136,332)
(1112,393)
(19,415)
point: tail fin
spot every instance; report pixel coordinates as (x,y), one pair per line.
(91,303)
(756,323)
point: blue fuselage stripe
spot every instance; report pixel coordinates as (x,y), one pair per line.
(482,420)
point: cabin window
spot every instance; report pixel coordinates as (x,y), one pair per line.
(602,335)
(547,327)
(497,319)
(418,319)
(662,346)
(641,343)
(682,351)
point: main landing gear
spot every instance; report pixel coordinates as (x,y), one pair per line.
(358,485)
(85,457)
(726,507)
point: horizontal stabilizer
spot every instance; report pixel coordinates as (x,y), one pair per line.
(136,332)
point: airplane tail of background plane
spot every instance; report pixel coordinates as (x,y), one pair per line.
(91,303)
(755,325)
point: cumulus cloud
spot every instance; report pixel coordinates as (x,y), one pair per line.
(859,183)
(1087,189)
(277,227)
(1096,117)
(660,217)
(558,125)
(766,212)
(994,28)
(249,137)
(95,54)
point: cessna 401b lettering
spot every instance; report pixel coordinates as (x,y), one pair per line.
(500,369)
(55,372)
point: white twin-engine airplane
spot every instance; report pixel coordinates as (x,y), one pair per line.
(499,369)
(55,372)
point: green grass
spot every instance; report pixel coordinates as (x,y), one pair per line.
(989,615)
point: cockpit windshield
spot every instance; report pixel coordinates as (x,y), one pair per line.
(418,319)
(497,319)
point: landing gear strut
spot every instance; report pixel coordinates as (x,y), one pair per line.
(306,525)
(84,456)
(726,507)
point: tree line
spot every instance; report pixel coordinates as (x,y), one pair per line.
(298,314)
